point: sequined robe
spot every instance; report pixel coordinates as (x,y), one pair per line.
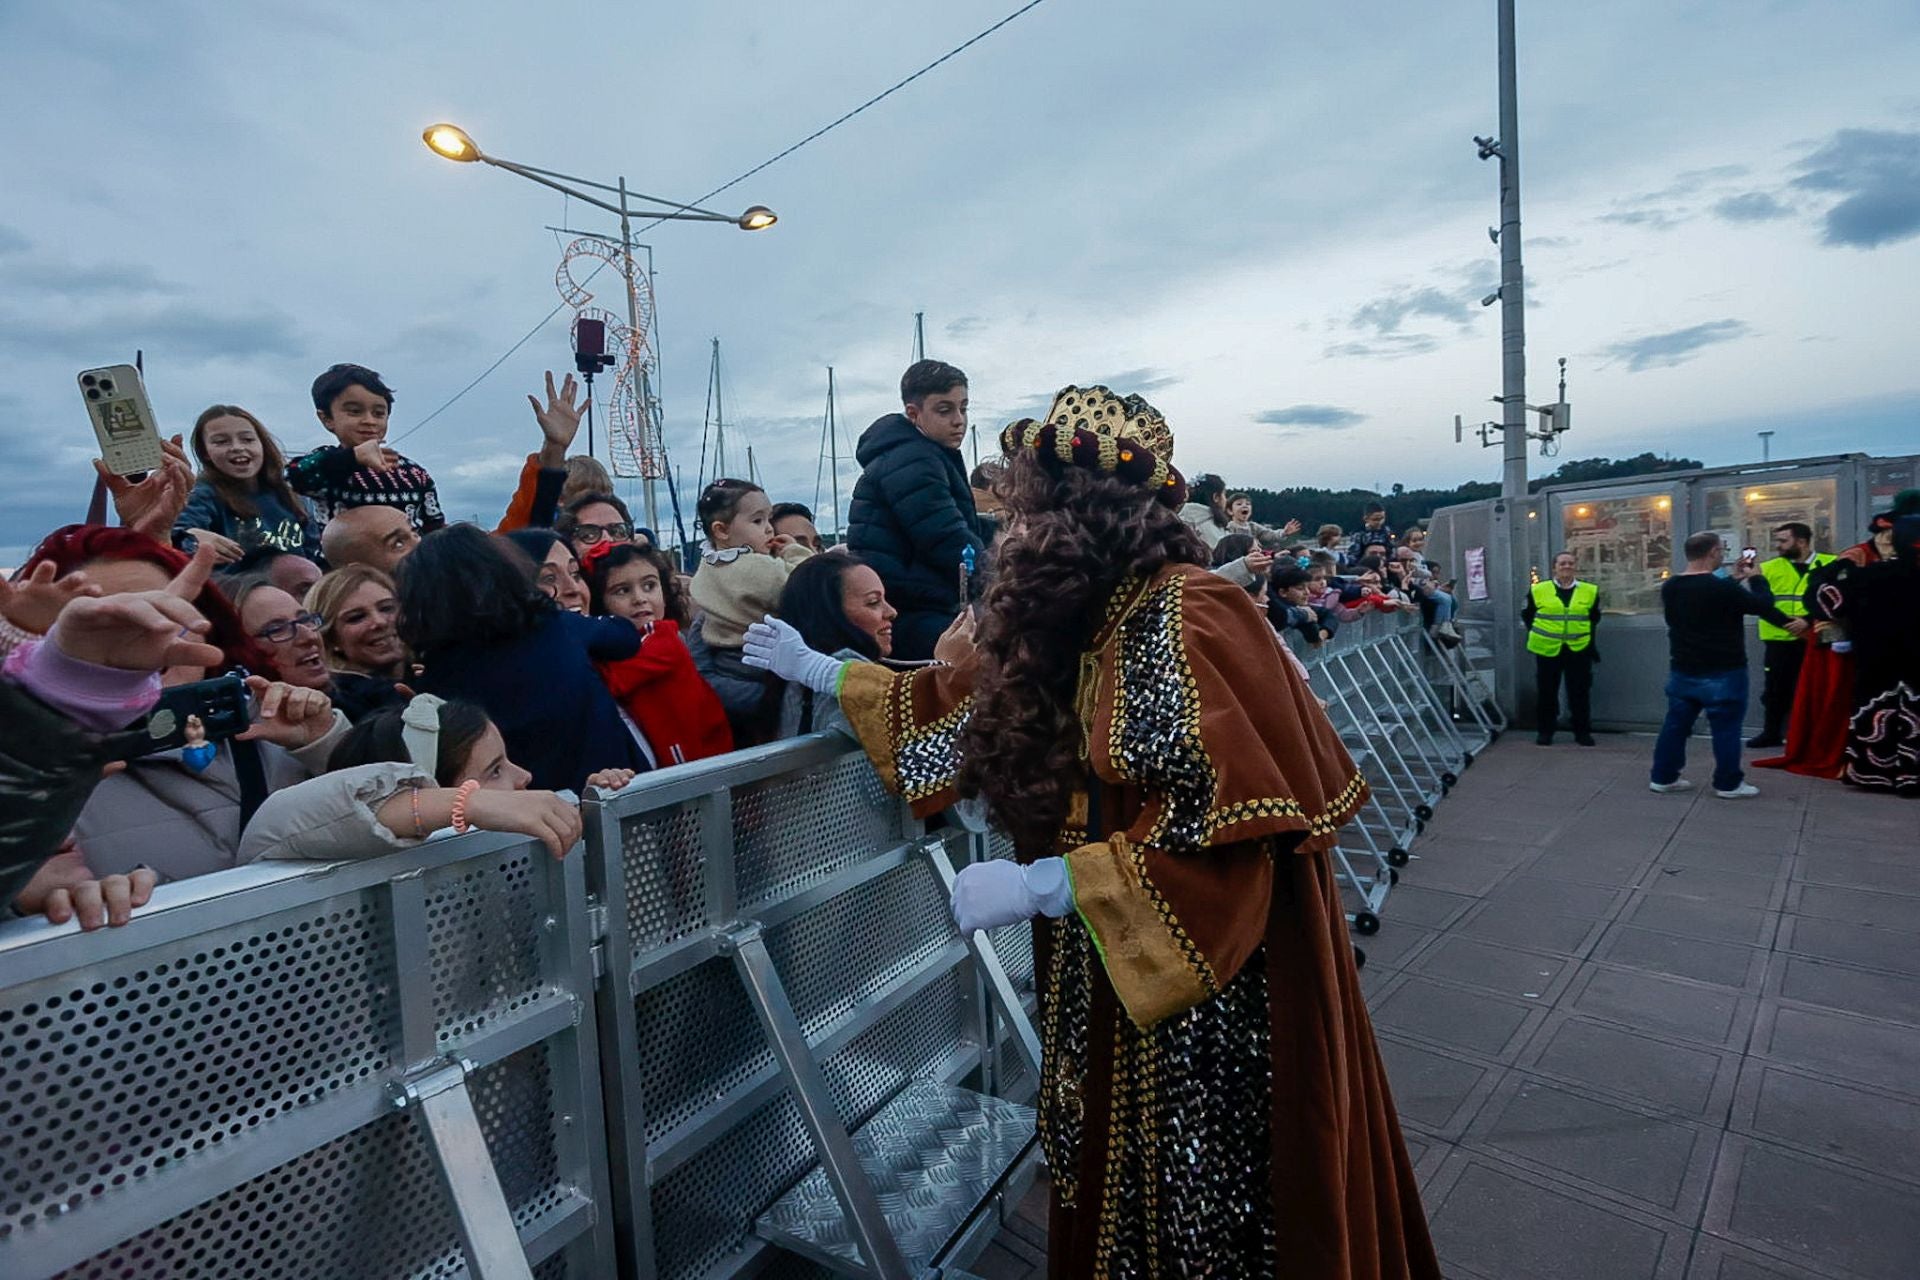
(1212,1101)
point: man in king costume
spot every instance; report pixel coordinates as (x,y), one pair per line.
(1212,1100)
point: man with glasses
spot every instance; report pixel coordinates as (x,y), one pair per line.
(594,518)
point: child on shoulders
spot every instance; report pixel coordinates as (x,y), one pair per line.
(738,583)
(361,471)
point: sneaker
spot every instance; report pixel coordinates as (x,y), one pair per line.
(1585,739)
(1447,631)
(1543,740)
(1759,741)
(1740,792)
(1667,788)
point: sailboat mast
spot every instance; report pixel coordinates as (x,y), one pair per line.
(719,419)
(833,449)
(919,336)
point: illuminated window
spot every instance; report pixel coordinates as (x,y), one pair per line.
(1746,517)
(1622,545)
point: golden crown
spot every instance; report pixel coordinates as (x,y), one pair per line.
(1100,411)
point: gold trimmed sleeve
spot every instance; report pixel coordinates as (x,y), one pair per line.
(1170,929)
(910,724)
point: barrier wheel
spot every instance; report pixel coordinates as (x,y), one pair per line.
(1359,958)
(1419,825)
(1448,779)
(1423,811)
(1366,924)
(1398,857)
(1466,761)
(1393,877)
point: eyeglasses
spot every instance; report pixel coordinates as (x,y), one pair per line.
(282,631)
(588,535)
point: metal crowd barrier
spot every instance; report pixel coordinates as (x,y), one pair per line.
(803,1057)
(736,1034)
(1377,676)
(384,1068)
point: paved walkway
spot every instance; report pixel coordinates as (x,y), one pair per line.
(1644,1037)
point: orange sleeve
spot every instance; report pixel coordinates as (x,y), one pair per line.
(521,505)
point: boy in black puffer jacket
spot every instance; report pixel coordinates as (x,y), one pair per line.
(912,516)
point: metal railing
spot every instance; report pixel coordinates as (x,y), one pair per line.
(736,1033)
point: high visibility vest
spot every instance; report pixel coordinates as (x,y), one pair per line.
(1788,583)
(1557,626)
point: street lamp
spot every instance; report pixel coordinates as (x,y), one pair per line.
(451,142)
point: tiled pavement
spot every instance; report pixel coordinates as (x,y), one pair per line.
(1646,1037)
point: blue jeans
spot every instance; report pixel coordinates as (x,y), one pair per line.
(1723,696)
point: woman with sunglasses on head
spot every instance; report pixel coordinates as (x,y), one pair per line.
(360,638)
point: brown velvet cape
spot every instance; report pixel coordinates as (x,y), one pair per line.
(1212,1100)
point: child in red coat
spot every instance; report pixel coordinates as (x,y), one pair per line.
(658,687)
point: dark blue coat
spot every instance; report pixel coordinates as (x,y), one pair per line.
(912,516)
(542,690)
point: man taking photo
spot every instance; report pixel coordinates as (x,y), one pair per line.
(1706,639)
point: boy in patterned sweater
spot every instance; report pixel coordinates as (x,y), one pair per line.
(353,403)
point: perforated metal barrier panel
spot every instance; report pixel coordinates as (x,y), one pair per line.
(736,1033)
(240,1085)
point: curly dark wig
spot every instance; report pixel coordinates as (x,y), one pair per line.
(1074,537)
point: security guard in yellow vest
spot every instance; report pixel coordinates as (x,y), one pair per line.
(1562,615)
(1783,581)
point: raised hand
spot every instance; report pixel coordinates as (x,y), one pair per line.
(32,603)
(559,418)
(152,505)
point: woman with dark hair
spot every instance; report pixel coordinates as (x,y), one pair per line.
(556,566)
(1211,1091)
(481,630)
(838,604)
(242,500)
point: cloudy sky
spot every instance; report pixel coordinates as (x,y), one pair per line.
(1267,217)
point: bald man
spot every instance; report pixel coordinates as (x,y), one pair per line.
(378,536)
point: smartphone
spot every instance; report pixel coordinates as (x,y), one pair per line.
(222,707)
(1749,554)
(122,419)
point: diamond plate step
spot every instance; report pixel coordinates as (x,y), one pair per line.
(933,1154)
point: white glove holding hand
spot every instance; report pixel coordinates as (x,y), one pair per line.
(773,645)
(987,895)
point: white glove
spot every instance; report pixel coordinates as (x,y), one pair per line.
(987,895)
(773,645)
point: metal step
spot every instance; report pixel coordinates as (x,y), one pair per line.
(933,1154)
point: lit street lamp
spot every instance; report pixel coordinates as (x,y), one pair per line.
(454,143)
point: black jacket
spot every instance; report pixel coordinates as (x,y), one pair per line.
(48,767)
(912,515)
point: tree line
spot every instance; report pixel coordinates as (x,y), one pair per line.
(1313,507)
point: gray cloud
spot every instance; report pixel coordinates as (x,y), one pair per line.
(1751,206)
(965,327)
(12,241)
(1391,346)
(1385,315)
(1331,417)
(1659,219)
(1137,382)
(1877,174)
(1676,346)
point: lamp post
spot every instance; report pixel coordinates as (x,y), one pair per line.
(456,144)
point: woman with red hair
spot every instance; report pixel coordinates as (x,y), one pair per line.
(164,812)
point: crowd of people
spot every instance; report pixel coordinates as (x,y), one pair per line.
(565,648)
(275,657)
